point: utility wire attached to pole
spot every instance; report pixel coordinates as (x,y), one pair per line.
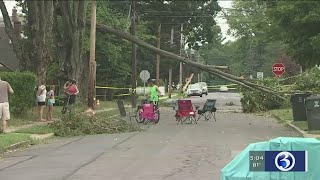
(134,54)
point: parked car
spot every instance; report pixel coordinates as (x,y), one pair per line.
(194,90)
(204,87)
(224,89)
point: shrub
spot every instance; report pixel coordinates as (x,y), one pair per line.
(23,84)
(308,81)
(81,124)
(254,101)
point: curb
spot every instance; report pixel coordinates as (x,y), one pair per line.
(41,136)
(15,146)
(26,143)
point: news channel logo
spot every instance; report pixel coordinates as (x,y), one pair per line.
(286,161)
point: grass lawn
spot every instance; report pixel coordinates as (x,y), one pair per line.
(38,129)
(286,116)
(303,125)
(283,114)
(12,138)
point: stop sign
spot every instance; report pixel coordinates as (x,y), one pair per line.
(278,69)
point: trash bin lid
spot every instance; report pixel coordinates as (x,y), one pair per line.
(313,98)
(302,93)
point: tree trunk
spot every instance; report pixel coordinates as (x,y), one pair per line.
(40,24)
(73,61)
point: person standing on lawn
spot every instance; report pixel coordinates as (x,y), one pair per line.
(41,98)
(50,103)
(5,89)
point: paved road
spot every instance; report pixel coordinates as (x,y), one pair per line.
(167,151)
(223,99)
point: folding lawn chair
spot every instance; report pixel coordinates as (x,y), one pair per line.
(185,112)
(209,110)
(148,113)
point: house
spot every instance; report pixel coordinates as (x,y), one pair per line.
(8,59)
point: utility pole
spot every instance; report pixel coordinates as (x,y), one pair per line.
(92,63)
(158,56)
(134,55)
(170,69)
(170,83)
(181,49)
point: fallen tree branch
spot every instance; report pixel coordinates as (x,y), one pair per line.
(226,76)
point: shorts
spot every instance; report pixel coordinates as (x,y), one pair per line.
(50,102)
(41,103)
(70,99)
(4,111)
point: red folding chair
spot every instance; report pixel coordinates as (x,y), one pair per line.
(185,112)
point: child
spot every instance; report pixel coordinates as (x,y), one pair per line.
(50,103)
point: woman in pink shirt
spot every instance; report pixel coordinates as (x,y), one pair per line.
(72,91)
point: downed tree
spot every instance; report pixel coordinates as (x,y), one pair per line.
(252,86)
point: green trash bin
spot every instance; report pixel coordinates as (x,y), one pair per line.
(298,106)
(313,112)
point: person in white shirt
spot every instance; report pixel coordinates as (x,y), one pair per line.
(41,99)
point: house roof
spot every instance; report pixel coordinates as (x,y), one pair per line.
(7,56)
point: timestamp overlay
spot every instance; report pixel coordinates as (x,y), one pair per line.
(257,161)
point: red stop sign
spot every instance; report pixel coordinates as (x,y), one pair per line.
(278,69)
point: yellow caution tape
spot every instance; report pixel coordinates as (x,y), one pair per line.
(122,95)
(109,87)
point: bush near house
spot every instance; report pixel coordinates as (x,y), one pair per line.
(23,84)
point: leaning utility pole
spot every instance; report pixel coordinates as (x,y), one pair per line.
(158,56)
(92,63)
(134,55)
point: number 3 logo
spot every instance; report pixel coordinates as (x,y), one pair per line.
(284,161)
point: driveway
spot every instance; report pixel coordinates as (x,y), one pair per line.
(164,151)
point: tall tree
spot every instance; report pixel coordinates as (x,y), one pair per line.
(299,27)
(72,59)
(35,52)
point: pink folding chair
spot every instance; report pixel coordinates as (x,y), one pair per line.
(148,113)
(185,112)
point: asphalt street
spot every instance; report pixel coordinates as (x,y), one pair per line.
(167,150)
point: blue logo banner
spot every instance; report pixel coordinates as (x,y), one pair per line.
(286,161)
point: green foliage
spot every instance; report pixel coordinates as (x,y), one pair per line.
(59,100)
(254,50)
(23,84)
(308,81)
(80,124)
(298,24)
(197,17)
(255,101)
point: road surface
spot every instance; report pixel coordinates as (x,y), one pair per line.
(166,151)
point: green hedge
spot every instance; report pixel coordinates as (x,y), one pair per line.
(255,101)
(23,84)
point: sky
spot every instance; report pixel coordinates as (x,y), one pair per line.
(220,21)
(9,5)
